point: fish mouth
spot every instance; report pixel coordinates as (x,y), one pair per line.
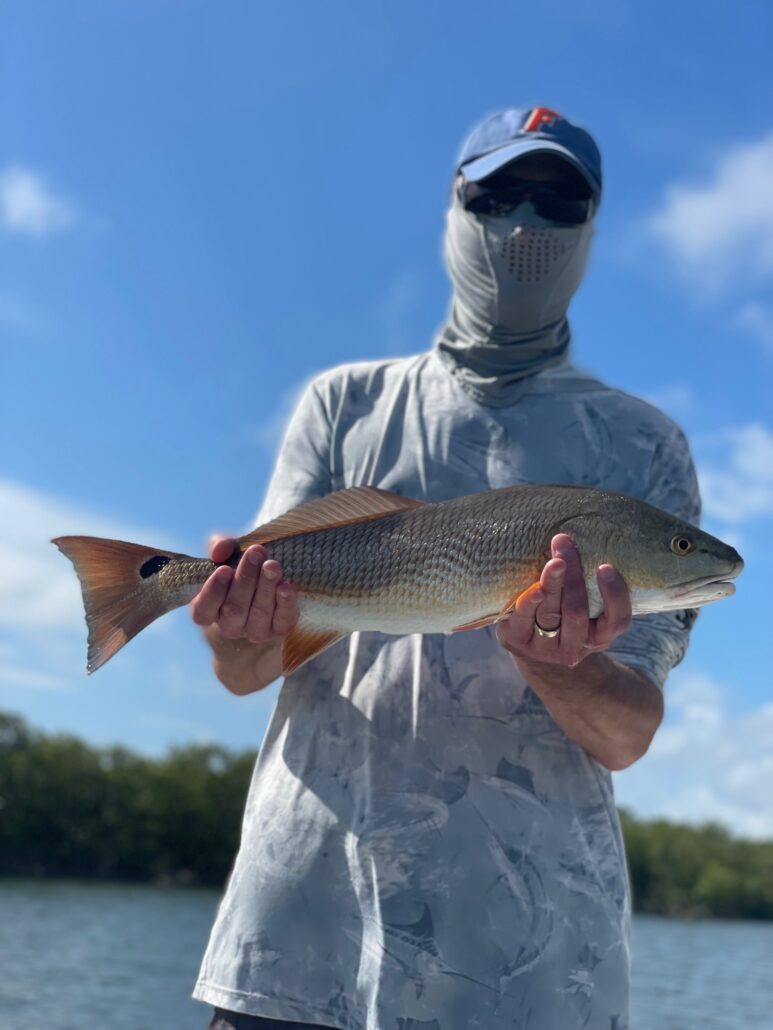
(692,594)
(706,589)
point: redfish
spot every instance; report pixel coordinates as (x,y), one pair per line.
(367,559)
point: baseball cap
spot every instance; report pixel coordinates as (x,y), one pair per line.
(507,135)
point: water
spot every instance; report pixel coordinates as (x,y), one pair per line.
(83,956)
(101,956)
(702,975)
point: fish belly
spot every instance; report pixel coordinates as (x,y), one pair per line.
(383,615)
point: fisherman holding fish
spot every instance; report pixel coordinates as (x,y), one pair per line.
(430,838)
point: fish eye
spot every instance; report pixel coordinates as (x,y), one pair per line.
(682,545)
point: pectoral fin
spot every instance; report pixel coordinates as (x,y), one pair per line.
(516,598)
(486,620)
(489,620)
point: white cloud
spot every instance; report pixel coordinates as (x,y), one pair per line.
(756,318)
(735,469)
(40,590)
(706,763)
(42,625)
(720,232)
(19,676)
(27,205)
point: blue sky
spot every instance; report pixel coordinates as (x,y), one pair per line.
(202,205)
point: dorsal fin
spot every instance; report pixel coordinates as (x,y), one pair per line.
(342,508)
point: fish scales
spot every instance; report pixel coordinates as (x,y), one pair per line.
(439,564)
(463,539)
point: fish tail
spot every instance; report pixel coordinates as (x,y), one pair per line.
(122,590)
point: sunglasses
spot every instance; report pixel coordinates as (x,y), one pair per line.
(502,197)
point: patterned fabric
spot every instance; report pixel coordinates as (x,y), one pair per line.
(423,847)
(223,1020)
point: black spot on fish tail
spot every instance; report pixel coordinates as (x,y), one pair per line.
(154,565)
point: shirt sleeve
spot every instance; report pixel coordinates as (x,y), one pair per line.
(654,644)
(302,469)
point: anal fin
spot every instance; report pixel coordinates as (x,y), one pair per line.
(301,645)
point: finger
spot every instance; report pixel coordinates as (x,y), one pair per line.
(528,601)
(221,547)
(518,628)
(235,610)
(261,612)
(286,611)
(206,604)
(616,617)
(548,615)
(574,603)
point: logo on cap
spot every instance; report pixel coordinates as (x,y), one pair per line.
(539,116)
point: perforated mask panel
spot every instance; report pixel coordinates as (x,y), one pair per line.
(530,254)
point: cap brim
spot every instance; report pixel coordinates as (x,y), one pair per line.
(480,167)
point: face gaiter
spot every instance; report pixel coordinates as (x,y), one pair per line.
(513,278)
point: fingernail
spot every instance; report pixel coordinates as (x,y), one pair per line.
(607,573)
(254,556)
(271,573)
(538,596)
(556,573)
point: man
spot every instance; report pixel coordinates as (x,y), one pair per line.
(430,839)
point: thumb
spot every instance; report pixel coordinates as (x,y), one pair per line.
(221,547)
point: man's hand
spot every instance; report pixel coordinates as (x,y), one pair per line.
(601,704)
(560,602)
(246,613)
(251,602)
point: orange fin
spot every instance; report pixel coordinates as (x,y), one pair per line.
(516,598)
(301,645)
(357,504)
(120,594)
(487,620)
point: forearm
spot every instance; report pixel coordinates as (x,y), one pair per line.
(604,706)
(241,666)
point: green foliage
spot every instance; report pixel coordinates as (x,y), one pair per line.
(701,871)
(67,809)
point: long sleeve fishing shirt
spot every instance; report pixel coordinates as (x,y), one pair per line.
(423,847)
